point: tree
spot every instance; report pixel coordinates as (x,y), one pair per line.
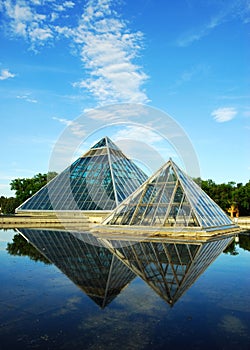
(229,194)
(8,205)
(242,198)
(26,187)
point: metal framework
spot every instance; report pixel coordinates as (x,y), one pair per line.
(102,267)
(169,198)
(91,266)
(99,180)
(168,268)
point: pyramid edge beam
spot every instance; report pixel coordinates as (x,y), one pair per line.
(160,230)
(111,172)
(200,192)
(111,215)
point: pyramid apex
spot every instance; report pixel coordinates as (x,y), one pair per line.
(105,142)
(170,199)
(95,181)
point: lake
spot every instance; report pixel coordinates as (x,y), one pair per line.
(73,290)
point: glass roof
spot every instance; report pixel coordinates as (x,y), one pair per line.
(99,180)
(169,198)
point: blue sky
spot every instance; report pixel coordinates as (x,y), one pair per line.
(187,58)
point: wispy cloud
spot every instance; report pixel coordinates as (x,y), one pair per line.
(107,47)
(138,133)
(234,97)
(119,112)
(192,73)
(27,98)
(236,9)
(6,74)
(76,128)
(224,114)
(190,37)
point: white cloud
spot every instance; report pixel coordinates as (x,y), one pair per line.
(27,98)
(224,114)
(119,112)
(6,74)
(139,133)
(104,39)
(40,34)
(108,49)
(66,122)
(189,38)
(229,11)
(25,20)
(75,128)
(64,6)
(195,72)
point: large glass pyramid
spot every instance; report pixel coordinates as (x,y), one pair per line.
(99,180)
(92,267)
(169,198)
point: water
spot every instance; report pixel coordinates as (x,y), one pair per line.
(71,291)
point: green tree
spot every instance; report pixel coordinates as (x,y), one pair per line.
(25,188)
(8,205)
(242,198)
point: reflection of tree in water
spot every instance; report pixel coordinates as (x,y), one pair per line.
(21,247)
(244,243)
(170,268)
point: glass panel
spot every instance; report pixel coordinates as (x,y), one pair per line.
(91,182)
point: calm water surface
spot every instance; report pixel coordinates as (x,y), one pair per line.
(76,292)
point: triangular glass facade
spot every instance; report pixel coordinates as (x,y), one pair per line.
(92,267)
(169,198)
(99,180)
(169,268)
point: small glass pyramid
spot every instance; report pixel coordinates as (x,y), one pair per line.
(168,267)
(169,198)
(99,180)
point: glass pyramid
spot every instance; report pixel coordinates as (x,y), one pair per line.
(93,268)
(169,198)
(99,180)
(169,268)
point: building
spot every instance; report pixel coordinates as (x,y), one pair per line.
(94,184)
(169,201)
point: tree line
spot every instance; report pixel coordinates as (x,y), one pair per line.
(225,195)
(228,195)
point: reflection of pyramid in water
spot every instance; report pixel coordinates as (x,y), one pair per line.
(99,180)
(170,198)
(168,268)
(92,267)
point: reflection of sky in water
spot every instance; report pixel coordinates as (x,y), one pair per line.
(41,307)
(232,324)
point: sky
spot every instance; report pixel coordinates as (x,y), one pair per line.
(186,60)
